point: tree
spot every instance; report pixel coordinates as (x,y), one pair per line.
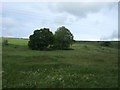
(63,38)
(41,39)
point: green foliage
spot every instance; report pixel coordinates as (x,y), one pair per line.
(63,38)
(4,42)
(41,39)
(106,44)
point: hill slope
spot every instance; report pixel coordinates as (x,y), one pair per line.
(87,66)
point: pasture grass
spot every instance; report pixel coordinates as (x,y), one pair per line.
(87,66)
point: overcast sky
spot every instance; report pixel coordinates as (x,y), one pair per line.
(86,20)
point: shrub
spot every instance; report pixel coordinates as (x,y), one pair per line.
(86,46)
(106,44)
(5,42)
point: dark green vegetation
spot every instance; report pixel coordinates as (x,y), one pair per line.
(5,42)
(63,38)
(106,44)
(41,39)
(87,66)
(44,39)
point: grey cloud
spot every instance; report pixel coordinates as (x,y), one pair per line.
(64,18)
(80,9)
(60,19)
(114,36)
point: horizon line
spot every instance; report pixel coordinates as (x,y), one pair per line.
(74,39)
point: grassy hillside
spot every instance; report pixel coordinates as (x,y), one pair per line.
(87,66)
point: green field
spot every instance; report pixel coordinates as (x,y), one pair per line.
(87,66)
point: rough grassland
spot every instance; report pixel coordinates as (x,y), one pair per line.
(87,66)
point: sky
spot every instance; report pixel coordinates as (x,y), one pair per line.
(94,21)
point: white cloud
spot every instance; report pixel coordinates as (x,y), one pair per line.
(79,9)
(12,27)
(9,26)
(21,19)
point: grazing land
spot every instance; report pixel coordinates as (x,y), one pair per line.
(88,65)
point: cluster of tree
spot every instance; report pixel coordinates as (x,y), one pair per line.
(43,39)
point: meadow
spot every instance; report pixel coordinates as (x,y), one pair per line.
(88,65)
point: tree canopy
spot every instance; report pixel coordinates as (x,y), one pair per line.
(63,38)
(41,39)
(44,39)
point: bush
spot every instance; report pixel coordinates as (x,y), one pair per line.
(106,44)
(86,46)
(5,42)
(41,39)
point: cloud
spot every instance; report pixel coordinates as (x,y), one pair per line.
(9,26)
(114,36)
(14,28)
(63,18)
(79,9)
(21,19)
(60,19)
